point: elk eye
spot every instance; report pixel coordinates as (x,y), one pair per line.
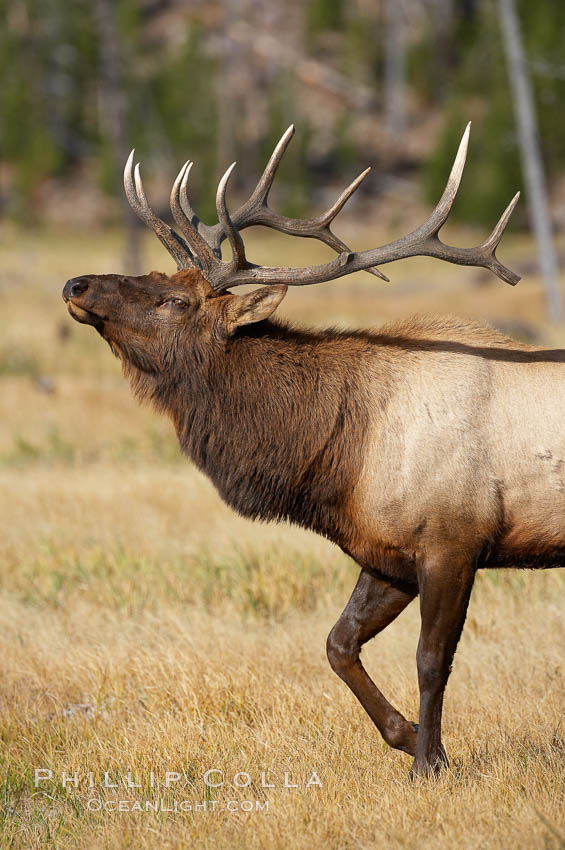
(175,302)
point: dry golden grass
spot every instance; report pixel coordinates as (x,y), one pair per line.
(145,627)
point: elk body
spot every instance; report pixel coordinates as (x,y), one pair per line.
(425,450)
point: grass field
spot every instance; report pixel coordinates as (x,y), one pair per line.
(147,630)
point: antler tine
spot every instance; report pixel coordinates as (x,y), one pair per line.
(484,254)
(233,235)
(263,187)
(321,224)
(206,231)
(424,241)
(245,216)
(440,214)
(199,247)
(496,235)
(135,194)
(327,217)
(256,210)
(253,210)
(491,244)
(183,192)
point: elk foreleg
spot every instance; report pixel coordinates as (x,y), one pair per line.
(373,604)
(445,590)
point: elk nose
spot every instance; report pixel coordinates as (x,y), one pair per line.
(75,286)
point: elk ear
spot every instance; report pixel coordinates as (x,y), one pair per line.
(255,306)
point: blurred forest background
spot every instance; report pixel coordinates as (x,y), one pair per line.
(390,83)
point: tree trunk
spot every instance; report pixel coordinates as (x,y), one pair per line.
(113,118)
(394,72)
(532,164)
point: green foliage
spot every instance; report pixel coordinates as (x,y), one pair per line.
(293,185)
(51,447)
(16,361)
(54,449)
(51,123)
(361,51)
(345,153)
(47,56)
(479,90)
(492,173)
(323,15)
(51,97)
(184,106)
(543,27)
(266,584)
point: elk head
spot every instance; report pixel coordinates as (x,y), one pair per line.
(146,318)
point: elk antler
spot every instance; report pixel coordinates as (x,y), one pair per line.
(135,194)
(201,245)
(204,242)
(256,211)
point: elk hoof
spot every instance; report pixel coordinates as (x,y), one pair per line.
(421,771)
(431,769)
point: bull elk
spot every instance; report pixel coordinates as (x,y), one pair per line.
(426,450)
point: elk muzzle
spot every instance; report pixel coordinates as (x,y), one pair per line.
(73,292)
(75,286)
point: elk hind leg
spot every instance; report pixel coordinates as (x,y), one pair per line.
(373,604)
(445,590)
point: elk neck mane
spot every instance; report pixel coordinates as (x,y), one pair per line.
(276,417)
